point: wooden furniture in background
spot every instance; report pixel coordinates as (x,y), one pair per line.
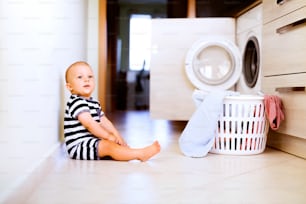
(284,70)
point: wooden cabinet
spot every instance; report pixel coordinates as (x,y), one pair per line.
(170,89)
(293,101)
(285,47)
(273,9)
(284,69)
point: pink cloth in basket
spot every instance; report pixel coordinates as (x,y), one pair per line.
(274,110)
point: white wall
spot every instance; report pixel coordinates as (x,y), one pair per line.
(38,40)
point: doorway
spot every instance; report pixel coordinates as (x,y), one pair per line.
(129,51)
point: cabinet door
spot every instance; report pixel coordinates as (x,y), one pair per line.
(284,44)
(273,9)
(291,89)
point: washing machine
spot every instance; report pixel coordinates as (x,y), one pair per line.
(248,38)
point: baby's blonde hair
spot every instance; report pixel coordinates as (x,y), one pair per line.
(74,65)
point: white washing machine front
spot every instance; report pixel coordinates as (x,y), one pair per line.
(249,35)
(213,64)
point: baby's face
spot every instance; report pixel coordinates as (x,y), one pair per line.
(80,80)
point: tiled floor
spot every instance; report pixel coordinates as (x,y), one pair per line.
(169,177)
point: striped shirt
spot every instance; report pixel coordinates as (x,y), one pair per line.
(80,143)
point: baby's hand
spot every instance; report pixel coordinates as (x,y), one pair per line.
(116,139)
(122,142)
(112,138)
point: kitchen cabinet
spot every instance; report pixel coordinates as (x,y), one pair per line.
(284,70)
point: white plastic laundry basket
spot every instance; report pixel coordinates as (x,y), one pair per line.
(242,128)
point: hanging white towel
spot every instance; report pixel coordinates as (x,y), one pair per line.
(198,136)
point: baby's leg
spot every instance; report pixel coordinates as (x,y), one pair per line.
(124,153)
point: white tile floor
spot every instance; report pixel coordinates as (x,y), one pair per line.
(169,177)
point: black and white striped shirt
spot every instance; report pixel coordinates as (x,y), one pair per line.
(75,132)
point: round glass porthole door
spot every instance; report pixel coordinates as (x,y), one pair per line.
(251,62)
(213,64)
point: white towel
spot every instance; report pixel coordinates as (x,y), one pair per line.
(197,138)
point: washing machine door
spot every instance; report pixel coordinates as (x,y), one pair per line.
(213,64)
(251,62)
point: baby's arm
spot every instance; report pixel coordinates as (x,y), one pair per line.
(108,126)
(94,127)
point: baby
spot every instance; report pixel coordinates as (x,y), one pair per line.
(89,135)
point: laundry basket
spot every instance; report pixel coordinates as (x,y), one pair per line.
(242,128)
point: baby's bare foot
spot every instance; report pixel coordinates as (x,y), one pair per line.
(150,151)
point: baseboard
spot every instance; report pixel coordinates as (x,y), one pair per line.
(6,196)
(287,143)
